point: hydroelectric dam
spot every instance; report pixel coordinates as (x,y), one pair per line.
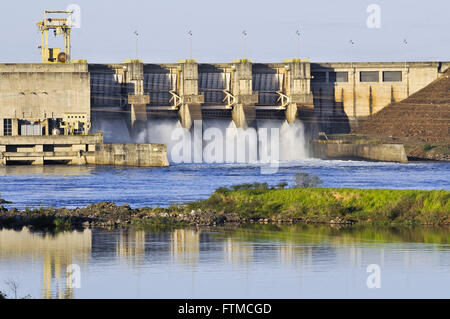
(137,102)
(130,101)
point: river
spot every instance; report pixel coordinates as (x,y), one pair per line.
(261,261)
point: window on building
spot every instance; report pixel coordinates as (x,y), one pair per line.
(7,126)
(338,76)
(369,76)
(319,76)
(392,76)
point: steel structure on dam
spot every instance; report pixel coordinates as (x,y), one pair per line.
(239,90)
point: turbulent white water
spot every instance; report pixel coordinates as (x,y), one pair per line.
(216,140)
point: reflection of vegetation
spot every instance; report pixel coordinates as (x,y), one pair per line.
(14,287)
(157,224)
(302,233)
(324,204)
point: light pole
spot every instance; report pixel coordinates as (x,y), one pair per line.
(244,36)
(355,118)
(137,38)
(405,42)
(298,42)
(190,44)
(351,53)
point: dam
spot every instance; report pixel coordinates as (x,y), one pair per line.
(128,102)
(323,97)
(335,95)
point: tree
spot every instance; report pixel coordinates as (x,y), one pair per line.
(305,180)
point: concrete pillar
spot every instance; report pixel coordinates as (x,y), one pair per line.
(15,127)
(138,116)
(190,109)
(189,113)
(291,113)
(244,116)
(38,161)
(298,87)
(2,159)
(137,100)
(244,111)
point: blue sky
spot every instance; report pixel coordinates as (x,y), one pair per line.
(326,26)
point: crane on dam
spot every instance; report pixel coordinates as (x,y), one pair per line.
(60,26)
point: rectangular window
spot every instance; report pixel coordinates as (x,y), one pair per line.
(338,76)
(392,76)
(369,76)
(319,76)
(7,126)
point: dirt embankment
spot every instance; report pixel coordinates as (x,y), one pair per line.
(421,122)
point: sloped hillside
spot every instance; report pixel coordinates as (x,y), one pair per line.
(424,117)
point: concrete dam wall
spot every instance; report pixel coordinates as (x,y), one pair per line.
(78,150)
(336,95)
(132,96)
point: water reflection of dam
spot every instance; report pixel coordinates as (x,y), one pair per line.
(295,256)
(130,245)
(185,246)
(57,252)
(238,252)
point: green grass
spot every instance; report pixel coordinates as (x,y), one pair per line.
(324,204)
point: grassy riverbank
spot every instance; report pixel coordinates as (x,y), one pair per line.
(331,204)
(253,203)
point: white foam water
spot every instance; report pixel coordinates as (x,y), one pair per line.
(216,140)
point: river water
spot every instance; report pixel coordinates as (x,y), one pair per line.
(72,186)
(261,261)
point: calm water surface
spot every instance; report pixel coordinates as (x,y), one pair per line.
(257,262)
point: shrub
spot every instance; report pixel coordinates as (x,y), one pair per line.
(282,185)
(305,180)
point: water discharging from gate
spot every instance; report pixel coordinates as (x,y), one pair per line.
(216,140)
(220,141)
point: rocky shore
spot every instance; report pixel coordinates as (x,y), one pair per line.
(109,215)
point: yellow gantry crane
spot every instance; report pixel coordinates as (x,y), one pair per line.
(59,26)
